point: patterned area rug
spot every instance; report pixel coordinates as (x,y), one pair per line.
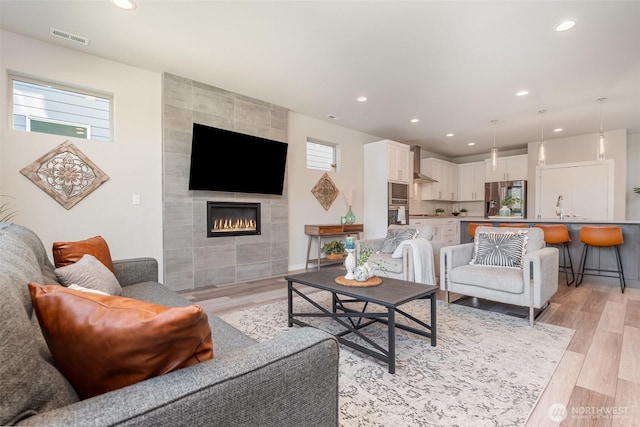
(488,369)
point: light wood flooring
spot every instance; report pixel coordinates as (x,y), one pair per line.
(597,382)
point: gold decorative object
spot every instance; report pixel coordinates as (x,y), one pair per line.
(325,191)
(65,174)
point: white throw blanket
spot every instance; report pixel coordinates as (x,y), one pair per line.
(423,271)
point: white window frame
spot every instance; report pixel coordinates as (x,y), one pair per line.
(328,167)
(77,122)
(87,128)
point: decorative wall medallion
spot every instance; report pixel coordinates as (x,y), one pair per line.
(325,191)
(65,174)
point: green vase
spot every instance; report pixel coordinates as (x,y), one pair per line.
(350,218)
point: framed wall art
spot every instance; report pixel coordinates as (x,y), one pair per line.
(325,191)
(66,174)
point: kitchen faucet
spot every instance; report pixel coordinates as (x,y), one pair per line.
(559,204)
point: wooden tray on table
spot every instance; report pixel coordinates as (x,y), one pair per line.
(372,281)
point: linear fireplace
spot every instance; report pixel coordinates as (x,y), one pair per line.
(233,219)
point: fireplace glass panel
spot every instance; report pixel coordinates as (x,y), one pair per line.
(232,219)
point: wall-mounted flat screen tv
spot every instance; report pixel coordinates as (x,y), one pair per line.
(222,160)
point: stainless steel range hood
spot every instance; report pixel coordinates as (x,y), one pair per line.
(417,176)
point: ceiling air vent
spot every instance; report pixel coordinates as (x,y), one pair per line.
(70,37)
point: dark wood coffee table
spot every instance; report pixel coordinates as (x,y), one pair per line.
(391,294)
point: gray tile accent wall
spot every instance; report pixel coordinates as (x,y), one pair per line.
(191,260)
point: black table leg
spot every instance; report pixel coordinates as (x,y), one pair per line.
(433,298)
(289,303)
(392,339)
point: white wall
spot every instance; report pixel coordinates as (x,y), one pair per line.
(582,148)
(303,206)
(633,176)
(133,162)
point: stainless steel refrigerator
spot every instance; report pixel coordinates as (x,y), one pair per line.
(496,192)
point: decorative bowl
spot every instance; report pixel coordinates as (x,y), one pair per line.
(455,213)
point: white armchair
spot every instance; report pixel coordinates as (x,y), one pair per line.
(530,285)
(411,259)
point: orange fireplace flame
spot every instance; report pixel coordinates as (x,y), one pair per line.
(230,224)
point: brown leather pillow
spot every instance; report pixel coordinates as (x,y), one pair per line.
(65,253)
(102,342)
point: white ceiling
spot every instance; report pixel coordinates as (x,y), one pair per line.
(454,65)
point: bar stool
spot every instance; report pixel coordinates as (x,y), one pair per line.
(558,234)
(471,228)
(514,225)
(602,236)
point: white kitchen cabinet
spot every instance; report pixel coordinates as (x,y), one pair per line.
(471,179)
(399,162)
(446,231)
(380,157)
(446,173)
(586,189)
(510,168)
(449,232)
(414,189)
(452,182)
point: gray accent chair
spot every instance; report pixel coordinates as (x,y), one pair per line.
(395,268)
(290,380)
(531,286)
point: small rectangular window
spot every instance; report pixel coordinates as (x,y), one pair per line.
(58,110)
(321,155)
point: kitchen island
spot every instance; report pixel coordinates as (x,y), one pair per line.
(602,257)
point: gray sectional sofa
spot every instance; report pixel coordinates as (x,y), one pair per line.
(290,380)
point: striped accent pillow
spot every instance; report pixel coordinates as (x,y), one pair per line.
(504,249)
(395,237)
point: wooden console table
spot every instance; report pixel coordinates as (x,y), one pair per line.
(328,230)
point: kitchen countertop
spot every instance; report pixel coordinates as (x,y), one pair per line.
(443,216)
(629,251)
(557,220)
(570,220)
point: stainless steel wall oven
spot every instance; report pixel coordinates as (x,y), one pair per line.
(398,201)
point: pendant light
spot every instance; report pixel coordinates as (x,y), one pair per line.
(600,152)
(494,150)
(542,158)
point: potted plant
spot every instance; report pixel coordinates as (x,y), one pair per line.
(508,205)
(333,249)
(463,212)
(439,211)
(509,201)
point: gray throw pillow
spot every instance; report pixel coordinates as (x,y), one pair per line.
(89,273)
(394,237)
(500,249)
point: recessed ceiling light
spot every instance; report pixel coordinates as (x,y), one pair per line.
(362,99)
(449,135)
(415,120)
(565,25)
(558,130)
(125,4)
(471,144)
(522,93)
